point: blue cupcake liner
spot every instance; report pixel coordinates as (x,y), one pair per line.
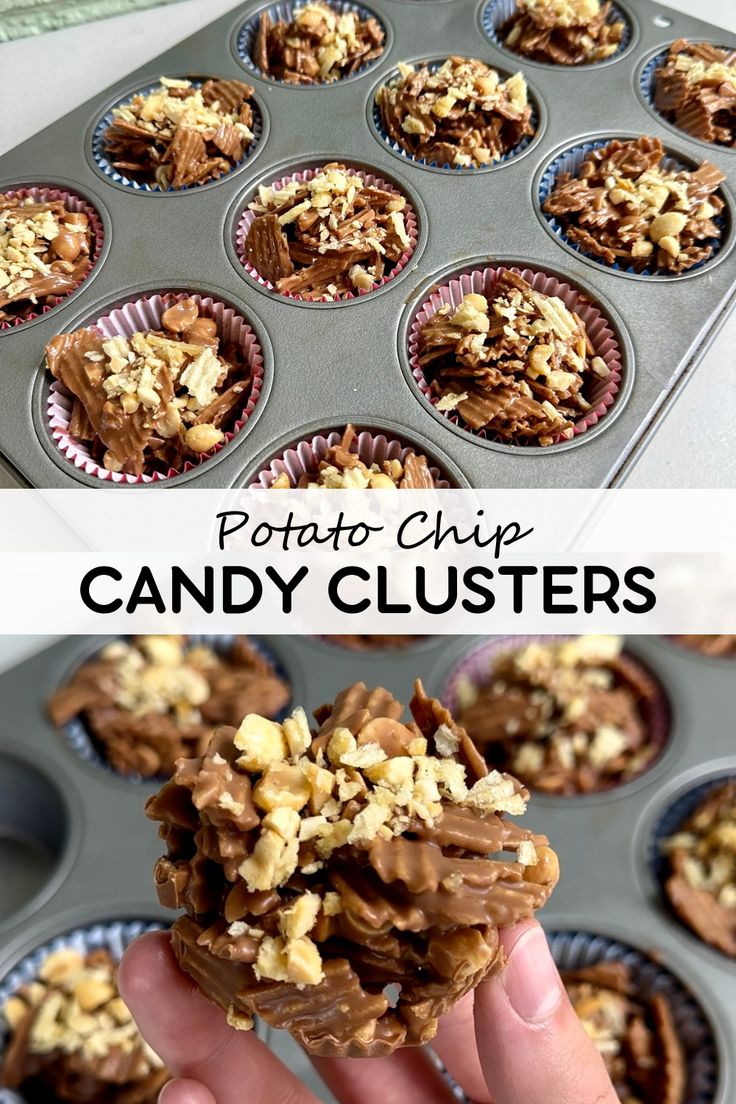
(572,950)
(113,937)
(284,12)
(102,163)
(498,12)
(672,820)
(647,87)
(80,741)
(570,161)
(457,169)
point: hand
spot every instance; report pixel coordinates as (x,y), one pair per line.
(516,1040)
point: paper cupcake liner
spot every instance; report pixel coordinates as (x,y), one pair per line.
(108,170)
(78,737)
(670,822)
(145,314)
(113,937)
(475,669)
(482,281)
(573,950)
(304,457)
(498,12)
(370,179)
(569,162)
(647,87)
(285,12)
(72,202)
(401,152)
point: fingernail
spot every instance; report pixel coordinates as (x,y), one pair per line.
(530,978)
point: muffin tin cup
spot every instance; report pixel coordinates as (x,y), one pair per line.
(110,173)
(39,834)
(114,937)
(304,457)
(538,121)
(79,739)
(73,202)
(669,822)
(145,314)
(474,668)
(570,161)
(369,179)
(245,37)
(603,395)
(496,13)
(646,86)
(575,949)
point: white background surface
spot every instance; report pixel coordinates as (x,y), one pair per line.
(78,62)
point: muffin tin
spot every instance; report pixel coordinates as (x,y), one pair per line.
(98,849)
(325,364)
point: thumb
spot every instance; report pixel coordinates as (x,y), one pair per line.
(532,1047)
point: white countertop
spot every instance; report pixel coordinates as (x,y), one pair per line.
(77,62)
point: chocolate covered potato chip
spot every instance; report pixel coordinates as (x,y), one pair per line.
(347,883)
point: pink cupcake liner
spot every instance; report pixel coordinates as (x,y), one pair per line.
(305,456)
(72,202)
(475,668)
(145,314)
(483,282)
(410,221)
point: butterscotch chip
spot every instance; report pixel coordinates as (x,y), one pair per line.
(146,702)
(625,208)
(179,135)
(564,32)
(72,1038)
(567,718)
(407,871)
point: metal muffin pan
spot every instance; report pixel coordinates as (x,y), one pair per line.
(330,363)
(102,866)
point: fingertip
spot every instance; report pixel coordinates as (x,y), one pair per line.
(142,963)
(182,1090)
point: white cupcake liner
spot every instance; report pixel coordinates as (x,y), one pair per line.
(475,669)
(81,741)
(145,314)
(399,150)
(108,170)
(498,12)
(72,202)
(570,162)
(483,282)
(372,448)
(370,179)
(284,12)
(573,950)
